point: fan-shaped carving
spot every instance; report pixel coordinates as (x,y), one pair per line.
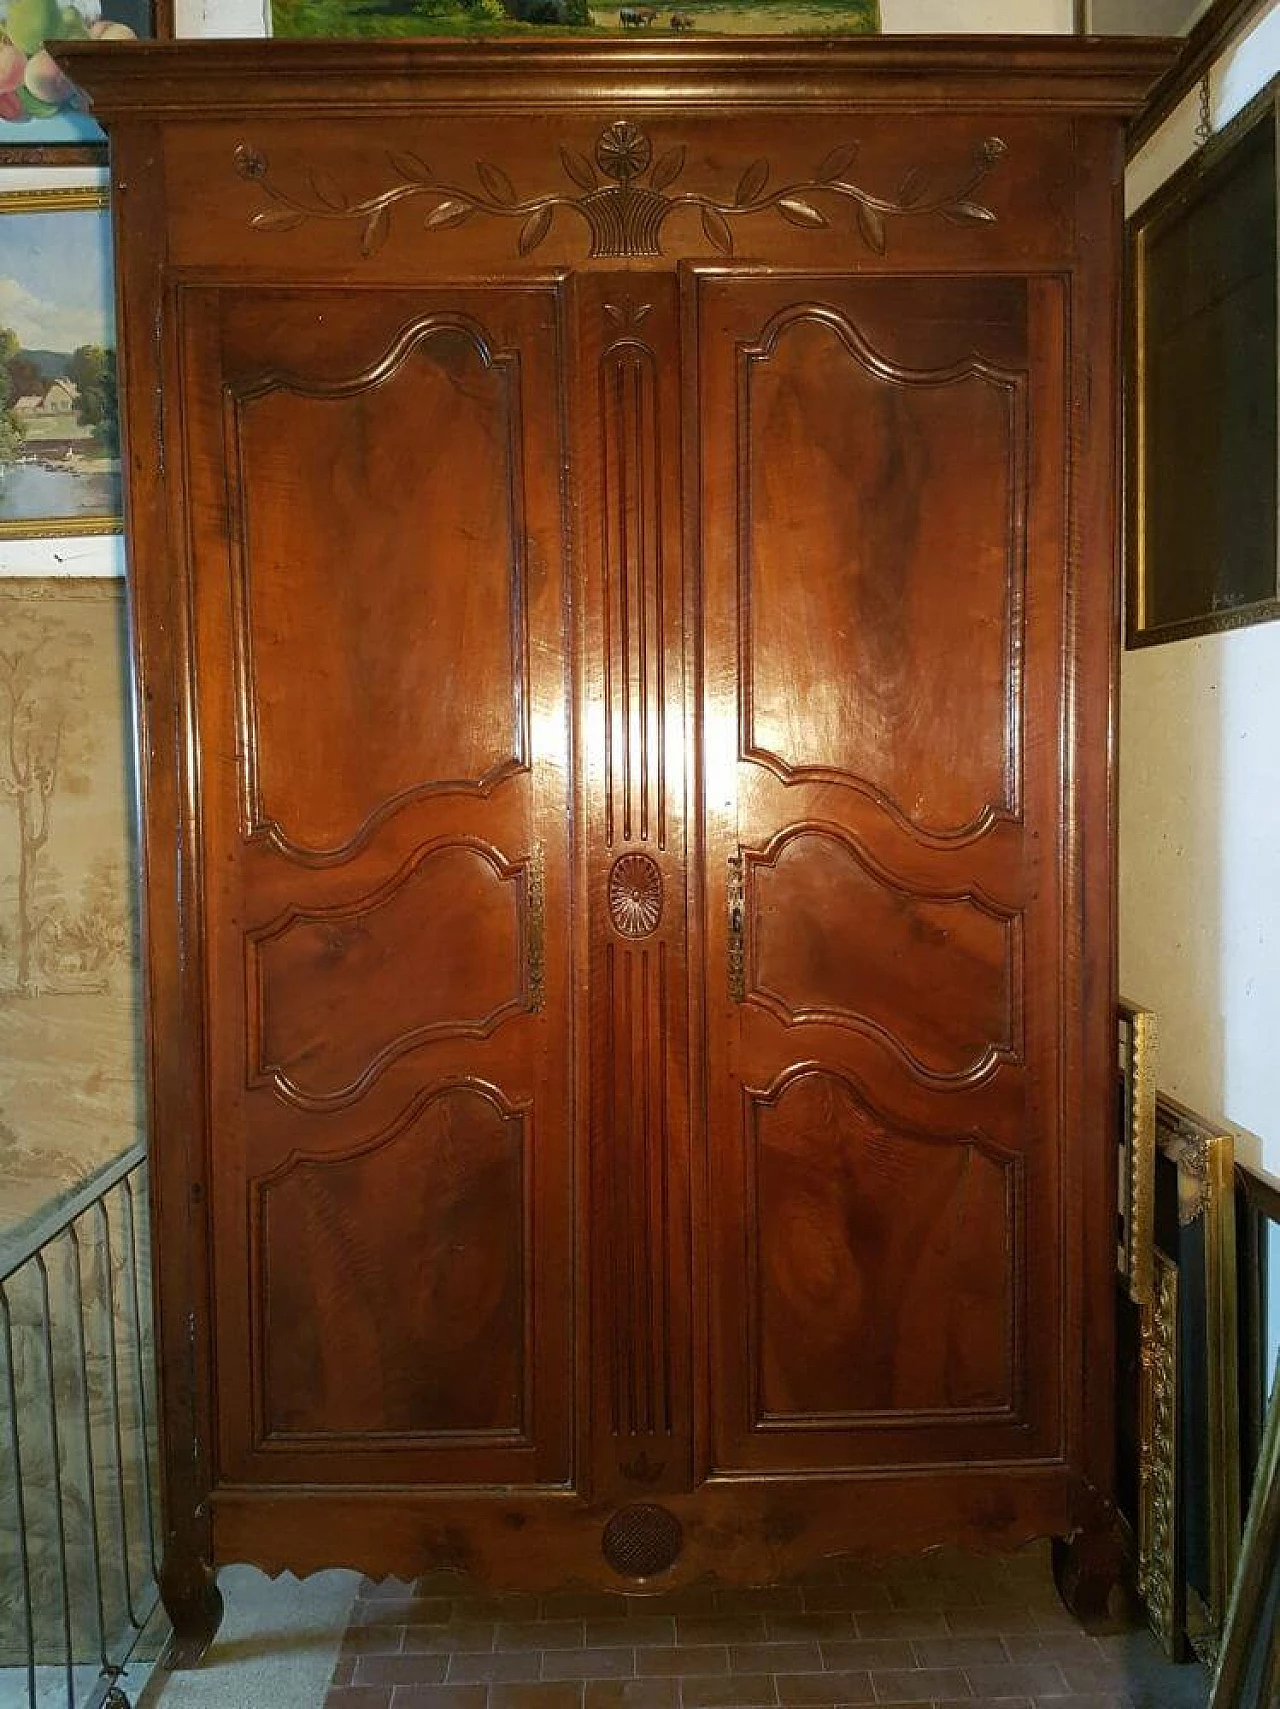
(635,895)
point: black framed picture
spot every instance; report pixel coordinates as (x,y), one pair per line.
(1248,1674)
(1202,401)
(1258,1293)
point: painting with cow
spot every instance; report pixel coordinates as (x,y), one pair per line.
(405,18)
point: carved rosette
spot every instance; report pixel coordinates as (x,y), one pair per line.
(635,896)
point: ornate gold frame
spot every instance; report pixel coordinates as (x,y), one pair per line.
(80,200)
(1157,1574)
(1204,1157)
(1135,1257)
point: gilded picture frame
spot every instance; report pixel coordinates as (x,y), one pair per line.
(1158,1580)
(1195,1233)
(59,425)
(1135,1246)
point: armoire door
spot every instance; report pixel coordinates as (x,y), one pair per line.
(377,587)
(882,545)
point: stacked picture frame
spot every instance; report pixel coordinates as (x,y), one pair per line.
(1195,1261)
(1198,1315)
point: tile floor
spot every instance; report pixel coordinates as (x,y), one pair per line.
(275,1648)
(948,1631)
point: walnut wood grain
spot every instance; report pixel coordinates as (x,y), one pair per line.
(622,571)
(215,79)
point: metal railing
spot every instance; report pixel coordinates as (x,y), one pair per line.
(78,1514)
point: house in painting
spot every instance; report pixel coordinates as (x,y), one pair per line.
(58,405)
(49,422)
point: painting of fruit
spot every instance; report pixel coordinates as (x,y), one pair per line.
(38,104)
(403,18)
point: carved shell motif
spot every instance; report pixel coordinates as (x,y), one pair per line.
(635,895)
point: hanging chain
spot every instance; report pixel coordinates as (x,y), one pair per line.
(1204,125)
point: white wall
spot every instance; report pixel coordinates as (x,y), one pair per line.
(220,17)
(1200,790)
(1144,17)
(944,17)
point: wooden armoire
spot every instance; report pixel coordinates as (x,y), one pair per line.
(623,543)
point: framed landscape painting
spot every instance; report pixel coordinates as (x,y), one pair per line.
(59,429)
(42,115)
(581,17)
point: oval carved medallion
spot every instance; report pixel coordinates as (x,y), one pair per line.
(635,895)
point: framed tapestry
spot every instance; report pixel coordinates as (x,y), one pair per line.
(70,1086)
(1203,390)
(43,120)
(59,427)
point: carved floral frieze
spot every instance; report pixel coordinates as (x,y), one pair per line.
(624,196)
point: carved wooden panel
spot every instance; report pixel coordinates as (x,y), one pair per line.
(887,1264)
(881,906)
(832,935)
(632,586)
(341,992)
(635,895)
(623,191)
(392,1294)
(635,724)
(638,999)
(388,949)
(862,464)
(343,507)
